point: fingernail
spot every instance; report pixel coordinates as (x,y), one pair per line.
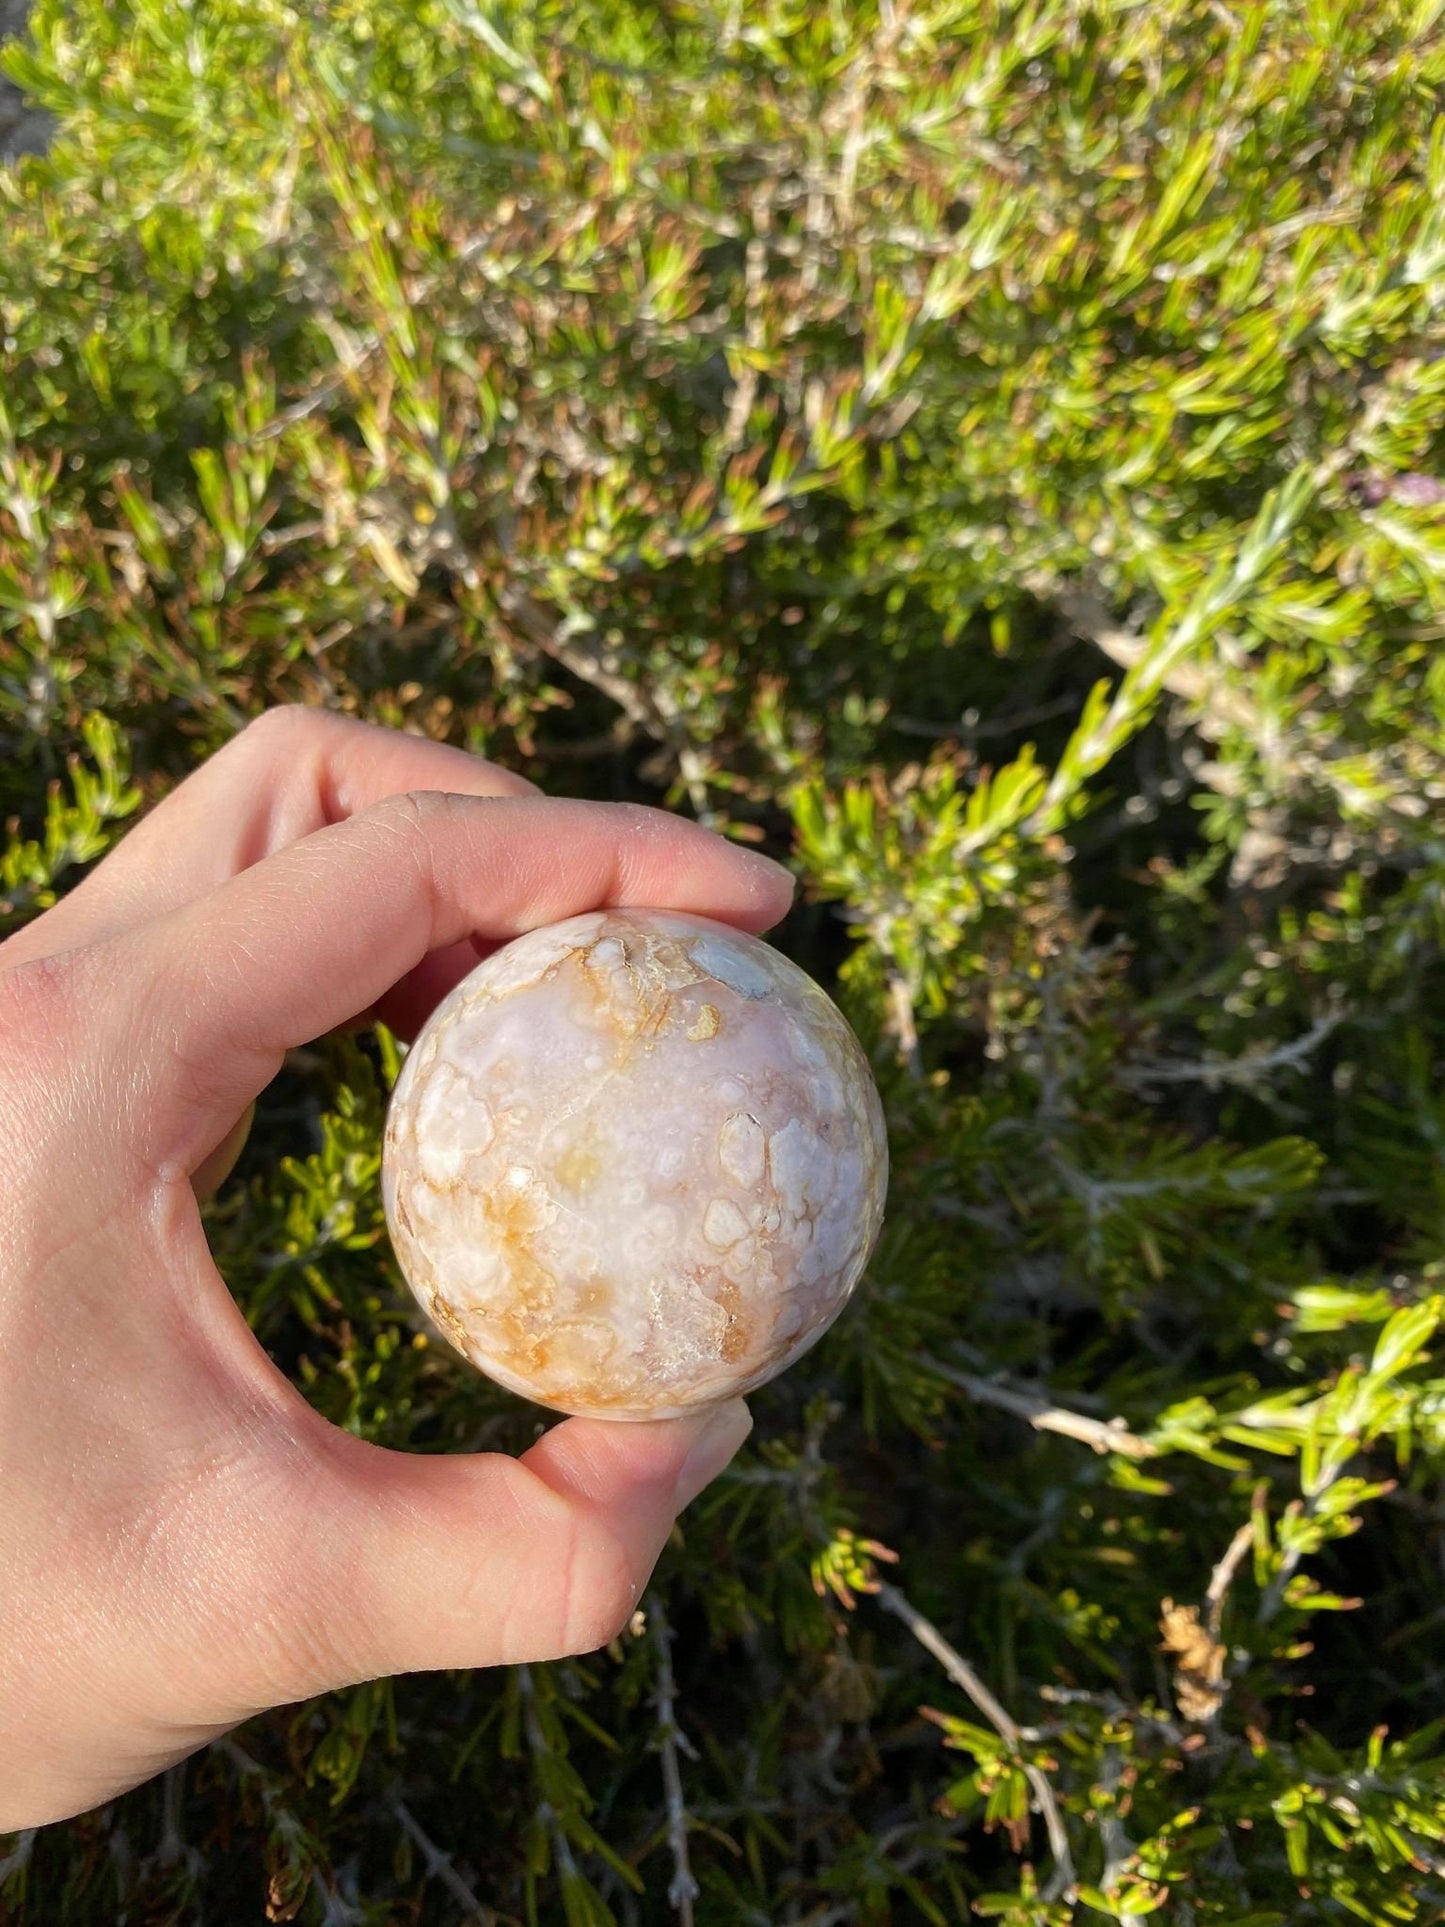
(778,869)
(767,866)
(710,1451)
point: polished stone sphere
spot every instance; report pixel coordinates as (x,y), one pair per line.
(634,1163)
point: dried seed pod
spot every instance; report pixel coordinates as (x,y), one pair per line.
(634,1163)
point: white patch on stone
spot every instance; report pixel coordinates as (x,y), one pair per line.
(723,1225)
(742,1149)
(724,959)
(452,1127)
(808,1051)
(799,1161)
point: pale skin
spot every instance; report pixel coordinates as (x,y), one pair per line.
(184,1542)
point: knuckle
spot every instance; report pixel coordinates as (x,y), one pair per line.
(37,1000)
(45,1004)
(294,1643)
(412,821)
(644,823)
(410,810)
(283,733)
(575,1586)
(282,723)
(602,1589)
(278,1594)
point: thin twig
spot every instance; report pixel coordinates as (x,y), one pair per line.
(589,662)
(1201,1677)
(18,1858)
(1217,1591)
(1118,1847)
(1222,1578)
(1221,708)
(363,347)
(1101,1435)
(903,1023)
(1273,1596)
(562,1855)
(1243,1072)
(337,1908)
(439,1864)
(172,1841)
(1063,1879)
(1114,1707)
(683,1889)
(745,392)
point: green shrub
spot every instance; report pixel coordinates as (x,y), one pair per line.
(997,453)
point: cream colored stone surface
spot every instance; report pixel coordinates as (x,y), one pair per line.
(635,1163)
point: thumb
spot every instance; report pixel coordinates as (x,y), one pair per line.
(482,1560)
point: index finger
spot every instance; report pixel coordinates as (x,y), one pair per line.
(191,1015)
(292,770)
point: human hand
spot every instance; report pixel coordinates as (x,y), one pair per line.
(183,1540)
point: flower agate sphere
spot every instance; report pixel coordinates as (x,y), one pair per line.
(634,1163)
